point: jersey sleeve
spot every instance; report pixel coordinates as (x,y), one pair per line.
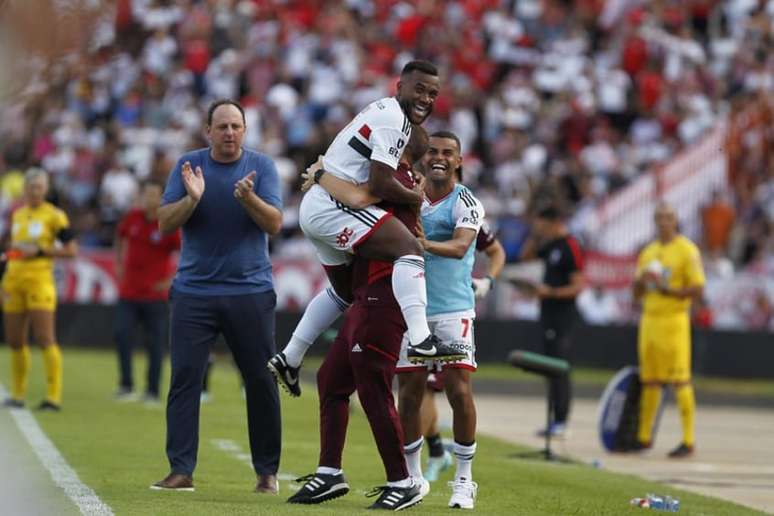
(468,211)
(694,272)
(62,227)
(485,237)
(174,190)
(574,256)
(389,132)
(268,187)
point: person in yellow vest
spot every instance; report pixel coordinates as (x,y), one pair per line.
(29,292)
(669,277)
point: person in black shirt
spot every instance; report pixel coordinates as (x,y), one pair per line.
(552,243)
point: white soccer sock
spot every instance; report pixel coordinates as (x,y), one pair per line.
(406,482)
(321,312)
(464,455)
(408,285)
(325,470)
(413,453)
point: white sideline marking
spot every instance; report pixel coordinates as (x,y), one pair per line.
(63,475)
(232,448)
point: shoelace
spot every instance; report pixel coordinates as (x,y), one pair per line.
(466,488)
(306,478)
(376,491)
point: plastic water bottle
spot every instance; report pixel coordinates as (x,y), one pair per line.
(657,503)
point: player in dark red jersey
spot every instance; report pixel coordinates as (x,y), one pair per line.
(363,359)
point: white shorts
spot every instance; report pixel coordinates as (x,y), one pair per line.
(334,228)
(456,332)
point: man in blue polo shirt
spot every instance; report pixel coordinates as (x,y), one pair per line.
(227,201)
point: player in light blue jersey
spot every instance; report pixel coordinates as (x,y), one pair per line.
(451,218)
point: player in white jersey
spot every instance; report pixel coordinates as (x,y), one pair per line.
(451,218)
(366,152)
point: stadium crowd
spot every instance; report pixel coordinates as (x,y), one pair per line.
(574,96)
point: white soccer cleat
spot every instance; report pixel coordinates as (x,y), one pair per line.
(463,494)
(424,486)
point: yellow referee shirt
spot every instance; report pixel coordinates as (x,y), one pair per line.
(39,226)
(679,264)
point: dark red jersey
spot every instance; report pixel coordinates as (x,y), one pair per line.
(372,283)
(148,257)
(485,237)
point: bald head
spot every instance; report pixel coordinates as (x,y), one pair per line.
(666,221)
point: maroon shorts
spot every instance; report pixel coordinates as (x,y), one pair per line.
(435,381)
(373,328)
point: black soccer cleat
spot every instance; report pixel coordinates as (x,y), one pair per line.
(682,451)
(286,376)
(12,403)
(433,349)
(49,406)
(319,488)
(395,498)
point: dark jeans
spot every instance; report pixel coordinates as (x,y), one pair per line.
(152,316)
(557,327)
(247,324)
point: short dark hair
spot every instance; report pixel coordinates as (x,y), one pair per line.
(450,136)
(420,66)
(549,212)
(223,102)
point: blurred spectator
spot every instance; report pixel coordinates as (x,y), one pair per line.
(761,312)
(598,307)
(718,219)
(582,96)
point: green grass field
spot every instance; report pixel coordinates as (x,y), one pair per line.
(118,450)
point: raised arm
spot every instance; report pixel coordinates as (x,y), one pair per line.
(174,214)
(266,216)
(461,240)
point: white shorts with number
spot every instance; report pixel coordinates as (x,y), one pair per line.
(334,228)
(454,331)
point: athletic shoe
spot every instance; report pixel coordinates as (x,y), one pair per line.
(681,452)
(151,399)
(48,406)
(267,484)
(433,349)
(319,488)
(395,498)
(174,482)
(463,494)
(125,394)
(558,431)
(286,376)
(437,465)
(424,486)
(12,403)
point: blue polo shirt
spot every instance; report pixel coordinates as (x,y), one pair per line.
(224,252)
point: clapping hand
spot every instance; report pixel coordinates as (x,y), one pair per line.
(193,181)
(244,186)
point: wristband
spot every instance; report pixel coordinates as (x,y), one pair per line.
(318,175)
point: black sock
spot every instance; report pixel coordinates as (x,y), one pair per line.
(435,445)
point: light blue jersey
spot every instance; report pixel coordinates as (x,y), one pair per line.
(449,286)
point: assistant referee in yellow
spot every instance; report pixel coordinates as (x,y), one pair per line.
(669,276)
(29,292)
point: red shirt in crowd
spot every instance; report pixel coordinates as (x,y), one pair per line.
(148,258)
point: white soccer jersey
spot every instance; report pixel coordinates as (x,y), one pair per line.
(379,132)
